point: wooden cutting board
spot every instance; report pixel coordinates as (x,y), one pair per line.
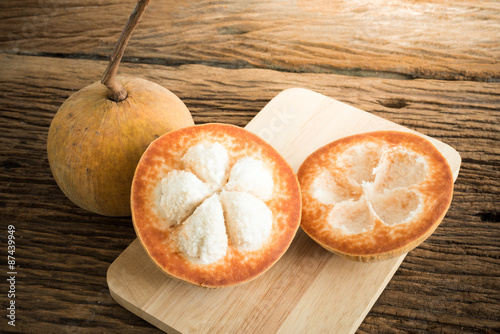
(309,290)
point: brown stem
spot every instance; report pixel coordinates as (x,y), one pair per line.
(116,92)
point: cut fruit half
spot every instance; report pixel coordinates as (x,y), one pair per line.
(374,195)
(214,205)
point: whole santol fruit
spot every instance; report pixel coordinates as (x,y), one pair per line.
(99,133)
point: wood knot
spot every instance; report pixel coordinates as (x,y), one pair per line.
(394,103)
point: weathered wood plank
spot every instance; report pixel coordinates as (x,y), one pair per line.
(448,283)
(404,39)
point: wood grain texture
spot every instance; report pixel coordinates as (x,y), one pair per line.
(449,284)
(398,39)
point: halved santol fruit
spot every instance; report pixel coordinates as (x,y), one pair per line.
(375,195)
(214,205)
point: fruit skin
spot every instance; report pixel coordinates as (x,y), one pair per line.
(94,143)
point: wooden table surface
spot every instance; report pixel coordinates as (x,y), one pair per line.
(432,66)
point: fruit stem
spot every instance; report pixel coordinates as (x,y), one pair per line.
(116,91)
